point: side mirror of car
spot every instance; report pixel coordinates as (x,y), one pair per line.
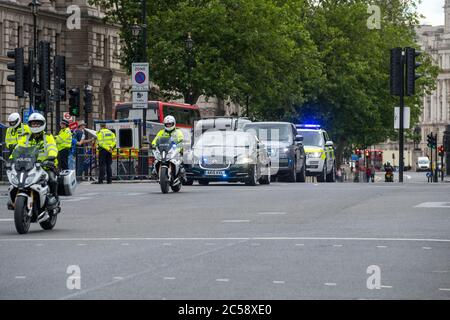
(329,144)
(299,139)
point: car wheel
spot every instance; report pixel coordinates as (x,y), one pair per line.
(323,176)
(265,179)
(332,176)
(292,175)
(301,177)
(253,179)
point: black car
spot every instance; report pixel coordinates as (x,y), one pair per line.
(231,156)
(284,147)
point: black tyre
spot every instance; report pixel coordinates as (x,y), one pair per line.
(164,180)
(176,188)
(265,179)
(189,182)
(331,177)
(301,177)
(292,175)
(323,176)
(253,179)
(22,220)
(50,223)
(203,182)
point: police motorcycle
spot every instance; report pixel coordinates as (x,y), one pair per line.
(168,162)
(29,190)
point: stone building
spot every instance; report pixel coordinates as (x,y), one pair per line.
(92,52)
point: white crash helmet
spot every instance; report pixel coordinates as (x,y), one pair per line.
(36,117)
(170,123)
(14,120)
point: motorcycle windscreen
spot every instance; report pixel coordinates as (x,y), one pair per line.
(164,144)
(24,158)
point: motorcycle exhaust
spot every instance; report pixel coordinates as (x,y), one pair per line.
(43,217)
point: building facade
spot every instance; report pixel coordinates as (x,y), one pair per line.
(92,54)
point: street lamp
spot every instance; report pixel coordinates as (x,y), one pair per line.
(189,45)
(34,5)
(136,30)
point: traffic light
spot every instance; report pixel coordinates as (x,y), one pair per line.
(44,65)
(397,72)
(358,152)
(411,66)
(74,102)
(60,78)
(441,151)
(18,67)
(367,153)
(431,141)
(87,98)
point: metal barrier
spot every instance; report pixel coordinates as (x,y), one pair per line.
(127,164)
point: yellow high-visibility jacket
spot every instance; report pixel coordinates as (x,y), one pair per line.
(106,139)
(45,143)
(64,139)
(176,135)
(14,134)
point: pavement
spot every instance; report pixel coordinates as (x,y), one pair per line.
(231,241)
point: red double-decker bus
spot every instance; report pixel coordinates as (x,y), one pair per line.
(185,114)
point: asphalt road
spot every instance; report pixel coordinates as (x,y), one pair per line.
(230,241)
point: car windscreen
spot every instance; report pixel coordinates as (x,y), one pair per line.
(271,132)
(312,138)
(225,139)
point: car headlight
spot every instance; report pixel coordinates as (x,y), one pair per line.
(244,160)
(314,154)
(285,150)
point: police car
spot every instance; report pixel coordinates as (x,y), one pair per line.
(320,157)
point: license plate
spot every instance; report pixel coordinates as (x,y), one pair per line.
(215,173)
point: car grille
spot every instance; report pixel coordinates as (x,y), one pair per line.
(214,163)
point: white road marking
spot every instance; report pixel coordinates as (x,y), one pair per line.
(382,247)
(76,199)
(386,287)
(228,239)
(433,205)
(82,244)
(330,284)
(444,289)
(426,248)
(272,213)
(299,245)
(235,221)
(118,278)
(125,244)
(6,220)
(20,277)
(278,282)
(222,280)
(169,278)
(337,245)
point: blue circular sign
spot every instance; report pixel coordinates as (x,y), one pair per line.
(140,77)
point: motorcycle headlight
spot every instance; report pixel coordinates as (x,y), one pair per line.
(13,178)
(157,155)
(29,180)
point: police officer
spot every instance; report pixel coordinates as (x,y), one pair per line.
(106,141)
(64,144)
(171,131)
(48,153)
(15,131)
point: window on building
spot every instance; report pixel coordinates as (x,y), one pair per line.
(1,39)
(106,52)
(19,37)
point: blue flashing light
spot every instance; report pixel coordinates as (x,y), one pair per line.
(308,126)
(225,175)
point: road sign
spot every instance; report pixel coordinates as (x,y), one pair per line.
(140,100)
(68,117)
(73,125)
(406,118)
(26,116)
(139,76)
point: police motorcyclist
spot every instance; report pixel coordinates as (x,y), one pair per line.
(15,131)
(48,153)
(388,167)
(171,131)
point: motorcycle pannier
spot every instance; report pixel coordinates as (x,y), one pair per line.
(67,183)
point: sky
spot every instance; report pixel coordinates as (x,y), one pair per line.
(433,11)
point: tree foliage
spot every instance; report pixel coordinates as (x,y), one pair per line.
(296,60)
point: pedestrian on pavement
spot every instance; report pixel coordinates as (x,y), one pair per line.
(64,144)
(16,130)
(106,141)
(82,143)
(372,173)
(368,173)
